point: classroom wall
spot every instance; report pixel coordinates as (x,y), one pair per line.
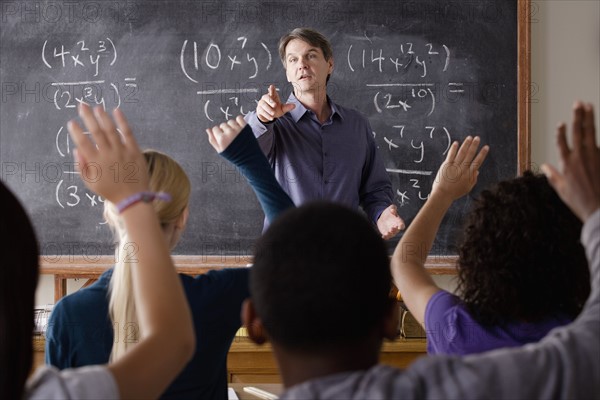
(565,48)
(565,54)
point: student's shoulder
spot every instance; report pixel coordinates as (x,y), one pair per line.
(226,286)
(215,278)
(93,293)
(443,299)
(445,306)
(81,383)
(81,300)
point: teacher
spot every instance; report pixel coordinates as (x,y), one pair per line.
(318,149)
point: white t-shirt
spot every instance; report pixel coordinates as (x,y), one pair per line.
(93,382)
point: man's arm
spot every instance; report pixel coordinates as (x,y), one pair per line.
(268,109)
(376,195)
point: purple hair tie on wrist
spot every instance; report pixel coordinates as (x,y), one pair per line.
(146,197)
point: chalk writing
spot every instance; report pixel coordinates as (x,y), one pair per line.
(397,60)
(81,54)
(250,60)
(93,58)
(70,94)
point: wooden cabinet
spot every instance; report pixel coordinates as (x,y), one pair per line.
(247,362)
(251,363)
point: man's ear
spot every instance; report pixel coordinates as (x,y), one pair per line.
(391,320)
(331,64)
(253,323)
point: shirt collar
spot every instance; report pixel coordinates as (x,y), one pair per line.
(300,110)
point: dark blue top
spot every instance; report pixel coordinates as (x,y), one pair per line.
(79,331)
(335,161)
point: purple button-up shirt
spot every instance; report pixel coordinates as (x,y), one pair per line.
(336,161)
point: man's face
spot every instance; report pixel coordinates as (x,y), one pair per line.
(305,66)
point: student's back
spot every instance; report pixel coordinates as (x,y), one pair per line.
(518,231)
(80,332)
(215,299)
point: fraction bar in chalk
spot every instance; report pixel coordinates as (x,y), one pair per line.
(408,171)
(219,91)
(76,83)
(399,84)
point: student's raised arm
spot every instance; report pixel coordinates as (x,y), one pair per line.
(235,142)
(578,183)
(113,166)
(455,178)
(566,363)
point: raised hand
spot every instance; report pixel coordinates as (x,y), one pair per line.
(221,136)
(578,182)
(113,166)
(455,178)
(270,107)
(458,173)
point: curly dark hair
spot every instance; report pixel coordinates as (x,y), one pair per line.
(521,258)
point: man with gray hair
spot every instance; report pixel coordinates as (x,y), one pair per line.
(319,149)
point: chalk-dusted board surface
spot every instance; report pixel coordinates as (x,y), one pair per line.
(425,73)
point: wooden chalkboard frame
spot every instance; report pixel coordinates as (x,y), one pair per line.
(84,267)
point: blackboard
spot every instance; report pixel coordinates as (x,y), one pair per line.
(423,72)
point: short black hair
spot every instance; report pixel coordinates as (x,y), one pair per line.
(18,281)
(320,278)
(521,258)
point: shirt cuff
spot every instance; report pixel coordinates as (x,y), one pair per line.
(258,127)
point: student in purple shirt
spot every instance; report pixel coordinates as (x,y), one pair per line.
(521,268)
(319,149)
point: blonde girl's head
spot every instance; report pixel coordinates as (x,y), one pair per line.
(166,175)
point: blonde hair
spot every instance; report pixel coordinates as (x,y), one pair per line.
(166,175)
